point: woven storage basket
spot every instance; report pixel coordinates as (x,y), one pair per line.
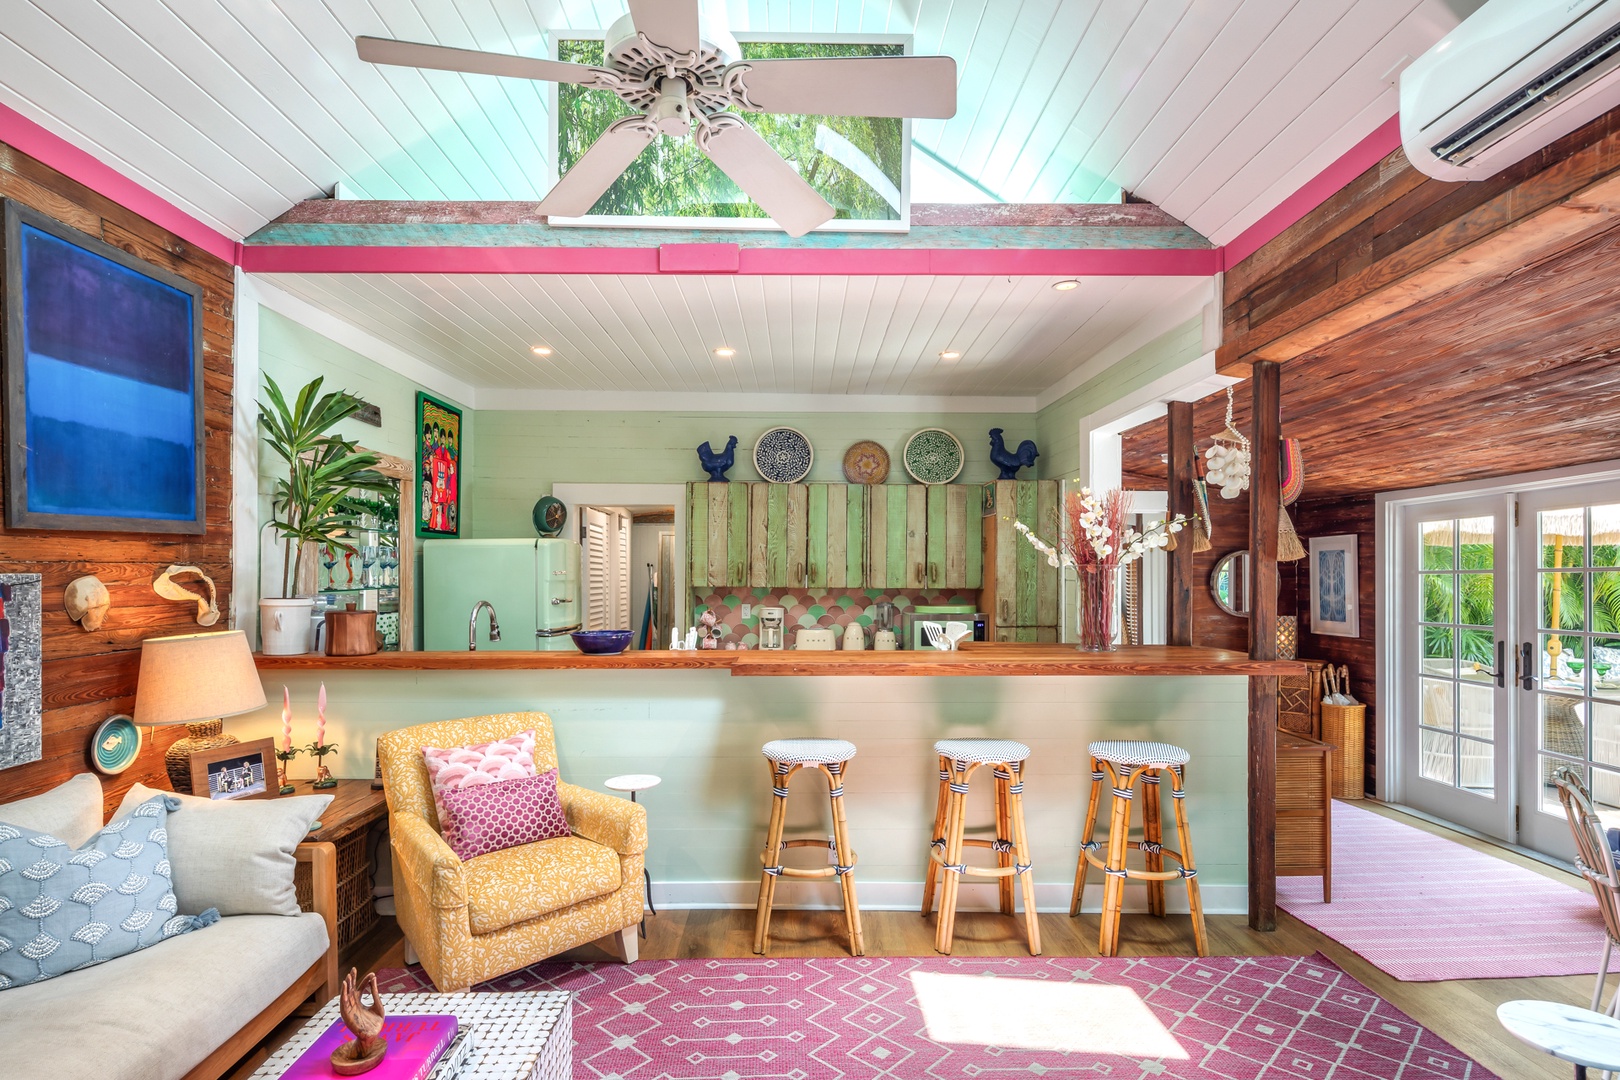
(1345,726)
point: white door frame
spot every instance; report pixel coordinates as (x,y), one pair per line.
(638,495)
(1391,785)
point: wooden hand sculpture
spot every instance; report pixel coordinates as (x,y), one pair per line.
(366,1021)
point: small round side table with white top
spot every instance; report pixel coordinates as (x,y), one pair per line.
(1589,1040)
(634,782)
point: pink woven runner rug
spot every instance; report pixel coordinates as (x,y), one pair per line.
(1424,908)
(944,1018)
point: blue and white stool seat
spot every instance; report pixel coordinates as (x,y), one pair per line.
(1154,755)
(982,751)
(809,751)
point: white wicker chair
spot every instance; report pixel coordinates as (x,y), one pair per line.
(1596,864)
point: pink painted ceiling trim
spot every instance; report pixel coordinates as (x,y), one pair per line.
(1357,160)
(53,150)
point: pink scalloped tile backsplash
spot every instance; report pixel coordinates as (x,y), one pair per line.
(835,609)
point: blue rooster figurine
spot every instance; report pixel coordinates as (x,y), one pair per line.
(716,464)
(1010,463)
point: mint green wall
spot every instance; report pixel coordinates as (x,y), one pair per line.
(1058,424)
(519,455)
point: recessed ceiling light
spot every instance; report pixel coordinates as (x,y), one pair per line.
(725,352)
(541,350)
(949,354)
(1066,284)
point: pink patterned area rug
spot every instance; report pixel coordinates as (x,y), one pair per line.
(1424,908)
(942,1018)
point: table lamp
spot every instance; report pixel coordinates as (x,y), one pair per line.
(195,680)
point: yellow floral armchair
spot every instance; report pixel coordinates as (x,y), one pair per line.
(471,921)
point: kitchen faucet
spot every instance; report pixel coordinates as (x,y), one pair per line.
(472,625)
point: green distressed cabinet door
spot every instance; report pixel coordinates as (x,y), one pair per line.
(836,539)
(786,528)
(955,543)
(1020,588)
(897,536)
(717,535)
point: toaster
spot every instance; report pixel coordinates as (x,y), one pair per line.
(816,638)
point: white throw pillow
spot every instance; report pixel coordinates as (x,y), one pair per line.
(71,811)
(235,854)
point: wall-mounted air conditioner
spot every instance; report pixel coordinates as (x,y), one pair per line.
(1511,78)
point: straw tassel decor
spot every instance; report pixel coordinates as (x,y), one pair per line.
(1289,548)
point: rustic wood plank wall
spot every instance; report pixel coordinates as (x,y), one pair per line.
(90,676)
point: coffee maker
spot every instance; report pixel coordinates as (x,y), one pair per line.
(771,620)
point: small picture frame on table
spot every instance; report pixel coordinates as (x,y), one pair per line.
(238,771)
(1334,586)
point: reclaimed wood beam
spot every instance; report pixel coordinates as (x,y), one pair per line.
(1522,224)
(1265,483)
(1182,461)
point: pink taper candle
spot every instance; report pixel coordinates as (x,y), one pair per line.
(286,719)
(320,716)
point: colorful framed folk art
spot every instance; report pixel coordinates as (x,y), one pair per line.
(103,376)
(438,466)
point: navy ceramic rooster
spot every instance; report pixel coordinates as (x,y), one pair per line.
(716,464)
(1010,463)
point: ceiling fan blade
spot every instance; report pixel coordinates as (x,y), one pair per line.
(762,174)
(443,58)
(918,86)
(609,156)
(670,23)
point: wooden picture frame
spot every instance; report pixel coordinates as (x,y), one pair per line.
(86,321)
(439,434)
(1335,588)
(215,772)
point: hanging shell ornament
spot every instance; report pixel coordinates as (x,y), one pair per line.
(166,587)
(87,601)
(1228,457)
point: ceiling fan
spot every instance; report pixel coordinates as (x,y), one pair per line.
(686,75)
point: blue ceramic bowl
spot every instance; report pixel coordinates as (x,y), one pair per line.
(602,642)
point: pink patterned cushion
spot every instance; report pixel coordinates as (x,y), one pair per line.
(491,817)
(484,763)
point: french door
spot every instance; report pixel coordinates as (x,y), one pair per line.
(1454,660)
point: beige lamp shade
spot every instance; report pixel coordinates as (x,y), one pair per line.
(195,677)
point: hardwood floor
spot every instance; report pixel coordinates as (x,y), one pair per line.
(1461,1012)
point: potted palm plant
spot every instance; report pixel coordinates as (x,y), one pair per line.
(315,502)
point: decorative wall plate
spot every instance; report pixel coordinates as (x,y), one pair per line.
(933,456)
(116,744)
(783,455)
(550,515)
(866,463)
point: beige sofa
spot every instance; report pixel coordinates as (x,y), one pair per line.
(186,1009)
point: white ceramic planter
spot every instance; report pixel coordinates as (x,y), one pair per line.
(285,626)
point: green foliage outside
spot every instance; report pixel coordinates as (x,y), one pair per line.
(672,178)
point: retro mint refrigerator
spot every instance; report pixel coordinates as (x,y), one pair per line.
(534,585)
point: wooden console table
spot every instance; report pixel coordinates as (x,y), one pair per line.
(346,824)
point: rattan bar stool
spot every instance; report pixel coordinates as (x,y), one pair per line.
(1122,763)
(958,758)
(786,757)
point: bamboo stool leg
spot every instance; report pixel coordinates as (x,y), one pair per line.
(937,839)
(1189,871)
(1114,875)
(1021,857)
(1004,836)
(1082,867)
(955,816)
(846,856)
(772,862)
(1152,837)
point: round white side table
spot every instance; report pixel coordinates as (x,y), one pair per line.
(634,782)
(1589,1040)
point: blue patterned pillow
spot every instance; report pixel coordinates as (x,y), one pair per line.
(62,909)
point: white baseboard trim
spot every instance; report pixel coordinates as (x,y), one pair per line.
(907,896)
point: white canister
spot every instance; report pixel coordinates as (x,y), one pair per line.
(854,637)
(884,640)
(285,626)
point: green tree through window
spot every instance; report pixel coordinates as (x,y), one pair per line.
(672,178)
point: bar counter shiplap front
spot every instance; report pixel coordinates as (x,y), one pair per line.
(695,720)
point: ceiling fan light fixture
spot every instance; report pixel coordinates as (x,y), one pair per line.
(950,354)
(541,350)
(1066,285)
(725,352)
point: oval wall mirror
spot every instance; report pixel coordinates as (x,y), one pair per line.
(1229,583)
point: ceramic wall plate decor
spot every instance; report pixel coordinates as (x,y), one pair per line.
(783,455)
(866,463)
(116,744)
(933,456)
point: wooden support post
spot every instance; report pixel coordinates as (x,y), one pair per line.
(1179,480)
(1265,482)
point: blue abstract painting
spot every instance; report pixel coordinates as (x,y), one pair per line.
(1332,603)
(109,364)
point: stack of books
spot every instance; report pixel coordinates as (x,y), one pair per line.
(419,1048)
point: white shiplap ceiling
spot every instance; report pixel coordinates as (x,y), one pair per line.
(236,109)
(818,335)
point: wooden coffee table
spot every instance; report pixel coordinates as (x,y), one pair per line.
(525,1035)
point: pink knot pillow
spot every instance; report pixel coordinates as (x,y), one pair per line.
(484,763)
(491,817)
